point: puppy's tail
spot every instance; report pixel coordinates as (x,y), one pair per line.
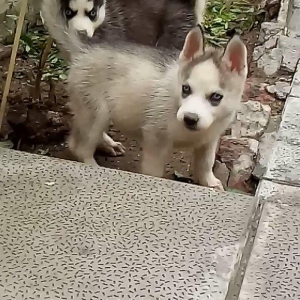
(200,6)
(52,17)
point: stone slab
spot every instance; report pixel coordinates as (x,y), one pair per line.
(72,231)
(273,271)
(269,191)
(284,162)
(283,12)
(291,52)
(294,23)
(295,91)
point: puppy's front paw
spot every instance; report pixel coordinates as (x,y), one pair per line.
(212,181)
(217,184)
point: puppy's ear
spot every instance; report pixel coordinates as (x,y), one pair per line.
(193,45)
(235,56)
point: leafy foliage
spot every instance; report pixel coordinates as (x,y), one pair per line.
(33,42)
(223,16)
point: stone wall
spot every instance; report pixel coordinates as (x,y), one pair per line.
(9,12)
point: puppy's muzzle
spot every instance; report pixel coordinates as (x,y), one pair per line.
(191,120)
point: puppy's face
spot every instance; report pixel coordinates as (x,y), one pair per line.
(84,15)
(210,82)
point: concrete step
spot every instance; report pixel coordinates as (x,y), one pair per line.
(71,231)
(274,267)
(293,20)
(284,162)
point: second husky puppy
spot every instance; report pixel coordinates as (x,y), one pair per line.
(168,99)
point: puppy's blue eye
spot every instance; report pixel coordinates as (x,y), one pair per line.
(186,90)
(215,99)
(92,14)
(68,12)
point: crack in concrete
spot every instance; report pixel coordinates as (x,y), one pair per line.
(236,282)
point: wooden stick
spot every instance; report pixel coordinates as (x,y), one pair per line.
(42,62)
(13,59)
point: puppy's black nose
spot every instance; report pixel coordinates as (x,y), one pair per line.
(190,119)
(82,32)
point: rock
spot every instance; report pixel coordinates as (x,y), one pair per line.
(269,29)
(251,120)
(264,150)
(239,157)
(271,42)
(270,62)
(265,147)
(258,52)
(221,172)
(281,90)
(270,89)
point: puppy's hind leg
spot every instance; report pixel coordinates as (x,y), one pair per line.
(85,132)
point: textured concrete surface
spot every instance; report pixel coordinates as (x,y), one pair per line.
(273,270)
(284,163)
(71,231)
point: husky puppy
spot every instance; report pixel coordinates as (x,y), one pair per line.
(159,23)
(166,98)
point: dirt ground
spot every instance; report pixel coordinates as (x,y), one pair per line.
(42,126)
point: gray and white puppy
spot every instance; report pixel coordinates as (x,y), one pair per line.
(159,23)
(182,99)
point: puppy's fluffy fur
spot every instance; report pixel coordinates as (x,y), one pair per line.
(166,98)
(157,23)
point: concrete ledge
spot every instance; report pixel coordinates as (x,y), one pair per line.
(71,231)
(284,162)
(273,268)
(284,12)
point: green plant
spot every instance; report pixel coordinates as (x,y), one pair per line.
(33,42)
(223,16)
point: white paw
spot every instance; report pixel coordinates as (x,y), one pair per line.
(115,149)
(212,182)
(216,184)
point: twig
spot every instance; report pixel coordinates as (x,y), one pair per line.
(13,59)
(44,56)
